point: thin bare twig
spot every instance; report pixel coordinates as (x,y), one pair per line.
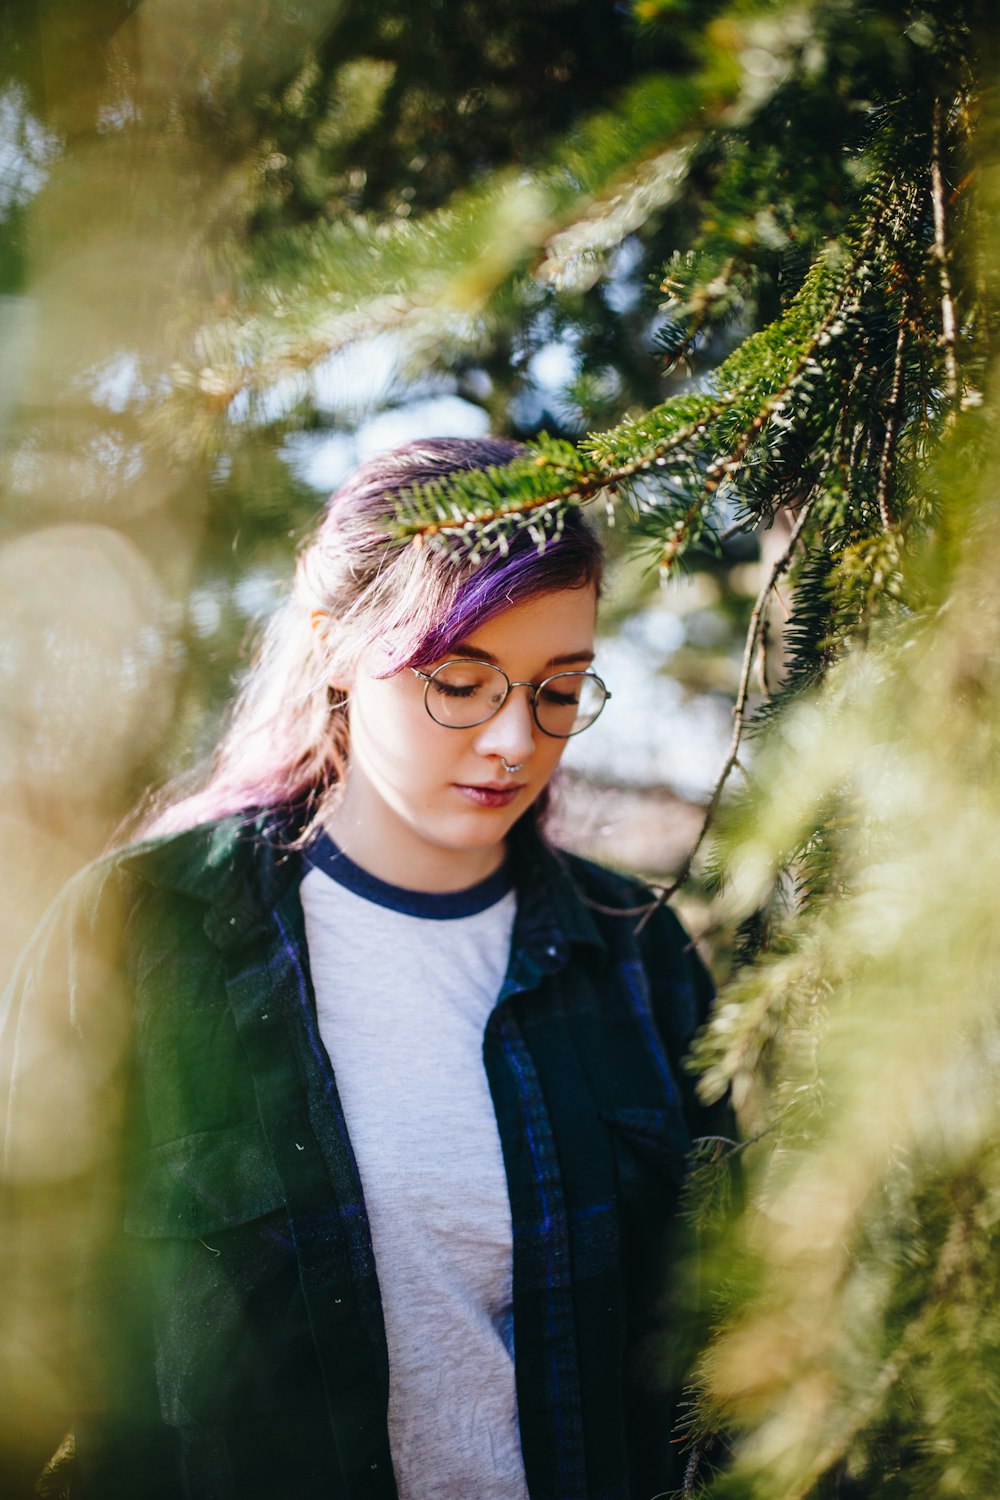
(628,911)
(786,608)
(739,707)
(740,528)
(728,1147)
(940,252)
(893,417)
(765,629)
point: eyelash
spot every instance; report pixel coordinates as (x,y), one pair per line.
(558,700)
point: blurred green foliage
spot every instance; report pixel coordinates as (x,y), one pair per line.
(761,234)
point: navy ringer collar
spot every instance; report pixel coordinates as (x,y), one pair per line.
(324,855)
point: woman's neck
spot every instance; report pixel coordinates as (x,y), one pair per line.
(388,848)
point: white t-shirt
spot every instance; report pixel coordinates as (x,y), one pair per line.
(404,984)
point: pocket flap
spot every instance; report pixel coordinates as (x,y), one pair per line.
(659,1136)
(202,1183)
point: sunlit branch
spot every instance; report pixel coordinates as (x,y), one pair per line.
(940,251)
(587,483)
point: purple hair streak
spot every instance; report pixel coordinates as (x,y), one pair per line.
(568,561)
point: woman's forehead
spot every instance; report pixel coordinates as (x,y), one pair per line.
(555,628)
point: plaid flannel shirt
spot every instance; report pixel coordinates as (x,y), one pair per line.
(229,1315)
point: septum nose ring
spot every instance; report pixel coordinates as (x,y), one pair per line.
(510,769)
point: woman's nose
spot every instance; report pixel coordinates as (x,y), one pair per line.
(511,731)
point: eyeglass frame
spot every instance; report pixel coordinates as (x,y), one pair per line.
(468,661)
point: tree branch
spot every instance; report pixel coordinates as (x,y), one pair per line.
(589,480)
(719,469)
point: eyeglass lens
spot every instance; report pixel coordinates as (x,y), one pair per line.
(461,694)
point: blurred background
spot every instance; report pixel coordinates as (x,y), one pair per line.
(741,259)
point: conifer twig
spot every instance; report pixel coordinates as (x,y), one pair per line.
(719,469)
(739,707)
(590,479)
(583,487)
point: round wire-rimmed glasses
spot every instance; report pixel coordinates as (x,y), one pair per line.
(462,694)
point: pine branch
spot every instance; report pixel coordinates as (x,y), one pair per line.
(773,406)
(701,440)
(470,503)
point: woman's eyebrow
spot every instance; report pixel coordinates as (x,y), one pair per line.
(477,653)
(569,657)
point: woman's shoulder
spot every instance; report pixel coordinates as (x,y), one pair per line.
(635,921)
(197,858)
(618,899)
(99,898)
(598,879)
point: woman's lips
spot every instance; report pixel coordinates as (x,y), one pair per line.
(490,796)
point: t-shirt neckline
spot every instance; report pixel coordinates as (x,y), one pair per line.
(323,854)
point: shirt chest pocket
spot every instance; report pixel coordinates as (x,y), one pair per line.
(657,1139)
(202,1183)
(215,1256)
(650,1147)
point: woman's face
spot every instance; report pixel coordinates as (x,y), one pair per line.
(428,807)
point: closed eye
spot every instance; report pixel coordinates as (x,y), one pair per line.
(452,690)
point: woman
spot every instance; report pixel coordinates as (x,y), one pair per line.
(397,1111)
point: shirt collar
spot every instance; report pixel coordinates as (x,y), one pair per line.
(552,916)
(239,866)
(242,866)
